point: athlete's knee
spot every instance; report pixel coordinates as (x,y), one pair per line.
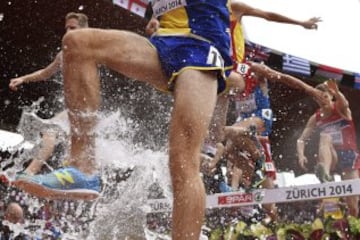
(73,41)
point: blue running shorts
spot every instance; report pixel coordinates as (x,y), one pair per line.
(178,53)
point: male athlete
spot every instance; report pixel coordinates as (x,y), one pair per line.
(257,168)
(187,56)
(338,150)
(250,94)
(49,136)
(238,82)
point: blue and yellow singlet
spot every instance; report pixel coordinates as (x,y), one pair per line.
(203,19)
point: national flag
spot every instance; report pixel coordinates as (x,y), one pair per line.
(256,52)
(122,3)
(292,64)
(138,7)
(324,73)
(135,6)
(357,81)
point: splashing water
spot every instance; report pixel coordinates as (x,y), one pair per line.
(129,173)
(122,203)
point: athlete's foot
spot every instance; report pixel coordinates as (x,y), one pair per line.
(64,183)
(322,175)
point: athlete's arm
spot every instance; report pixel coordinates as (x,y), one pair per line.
(342,104)
(300,143)
(40,75)
(241,9)
(263,71)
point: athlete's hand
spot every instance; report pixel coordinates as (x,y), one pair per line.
(311,23)
(333,87)
(152,26)
(15,82)
(302,162)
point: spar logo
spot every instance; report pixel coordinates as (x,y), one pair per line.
(235,198)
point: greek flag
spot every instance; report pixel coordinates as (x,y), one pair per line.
(296,65)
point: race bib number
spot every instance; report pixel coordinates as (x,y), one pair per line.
(242,68)
(214,58)
(266,113)
(269,167)
(337,137)
(161,7)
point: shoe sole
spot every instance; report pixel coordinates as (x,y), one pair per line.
(41,191)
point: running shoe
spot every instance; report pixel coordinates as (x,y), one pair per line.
(321,174)
(64,183)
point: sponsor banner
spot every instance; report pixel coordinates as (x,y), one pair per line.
(159,205)
(266,196)
(235,199)
(296,65)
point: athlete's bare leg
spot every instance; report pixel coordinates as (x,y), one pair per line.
(236,82)
(270,209)
(48,141)
(84,49)
(195,96)
(352,201)
(218,121)
(326,156)
(236,177)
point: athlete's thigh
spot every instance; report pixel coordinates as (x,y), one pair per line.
(195,97)
(125,52)
(195,92)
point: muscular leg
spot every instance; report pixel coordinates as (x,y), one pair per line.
(352,201)
(325,153)
(84,49)
(195,96)
(236,177)
(46,149)
(218,121)
(270,209)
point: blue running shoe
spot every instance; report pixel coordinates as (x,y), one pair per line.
(65,183)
